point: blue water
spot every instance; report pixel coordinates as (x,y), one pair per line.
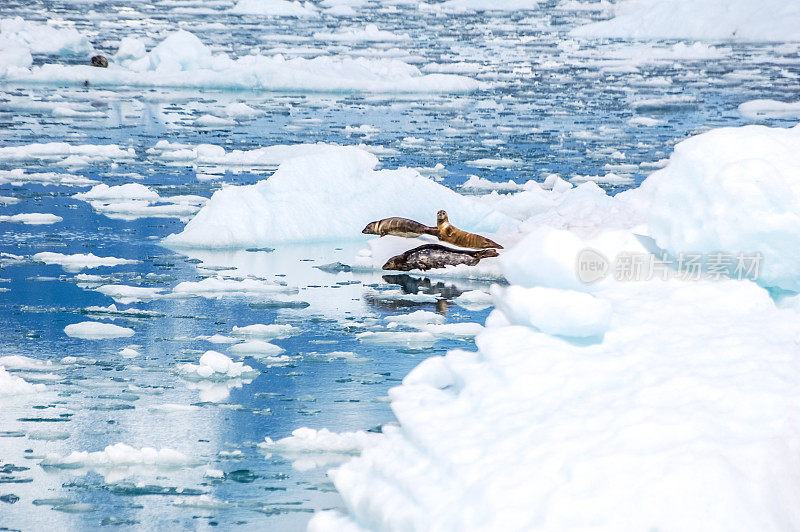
(537,116)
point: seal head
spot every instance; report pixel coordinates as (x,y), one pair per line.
(99,61)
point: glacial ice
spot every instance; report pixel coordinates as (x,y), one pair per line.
(95,330)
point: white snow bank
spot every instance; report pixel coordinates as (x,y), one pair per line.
(13,385)
(534,432)
(95,330)
(216,366)
(733,191)
(182,60)
(79,261)
(275,8)
(327,196)
(737,20)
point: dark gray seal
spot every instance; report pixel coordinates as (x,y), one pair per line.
(399,227)
(436,256)
(99,61)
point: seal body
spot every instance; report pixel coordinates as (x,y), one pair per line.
(453,235)
(436,256)
(99,61)
(399,227)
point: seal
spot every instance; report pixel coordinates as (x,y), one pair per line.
(99,61)
(436,256)
(453,235)
(399,227)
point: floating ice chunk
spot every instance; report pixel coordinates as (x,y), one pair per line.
(558,312)
(18,176)
(120,460)
(645,121)
(737,20)
(221,287)
(370,33)
(609,179)
(461,6)
(216,366)
(761,109)
(22,363)
(212,121)
(13,385)
(60,151)
(134,200)
(31,218)
(275,8)
(412,339)
(241,111)
(338,193)
(210,154)
(126,295)
(306,440)
(257,347)
(454,330)
(220,339)
(95,330)
(112,310)
(8,200)
(734,191)
(493,163)
(259,330)
(79,261)
(474,300)
(127,352)
(418,318)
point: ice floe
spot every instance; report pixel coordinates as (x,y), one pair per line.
(79,261)
(182,52)
(329,195)
(216,366)
(95,330)
(14,385)
(31,218)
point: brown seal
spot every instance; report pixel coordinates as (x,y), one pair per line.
(436,256)
(100,61)
(454,235)
(399,227)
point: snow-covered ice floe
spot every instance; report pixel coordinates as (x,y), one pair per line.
(66,154)
(329,195)
(614,397)
(310,448)
(728,20)
(216,366)
(182,60)
(95,330)
(134,200)
(79,261)
(120,460)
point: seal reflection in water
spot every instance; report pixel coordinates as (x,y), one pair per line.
(453,235)
(399,227)
(435,256)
